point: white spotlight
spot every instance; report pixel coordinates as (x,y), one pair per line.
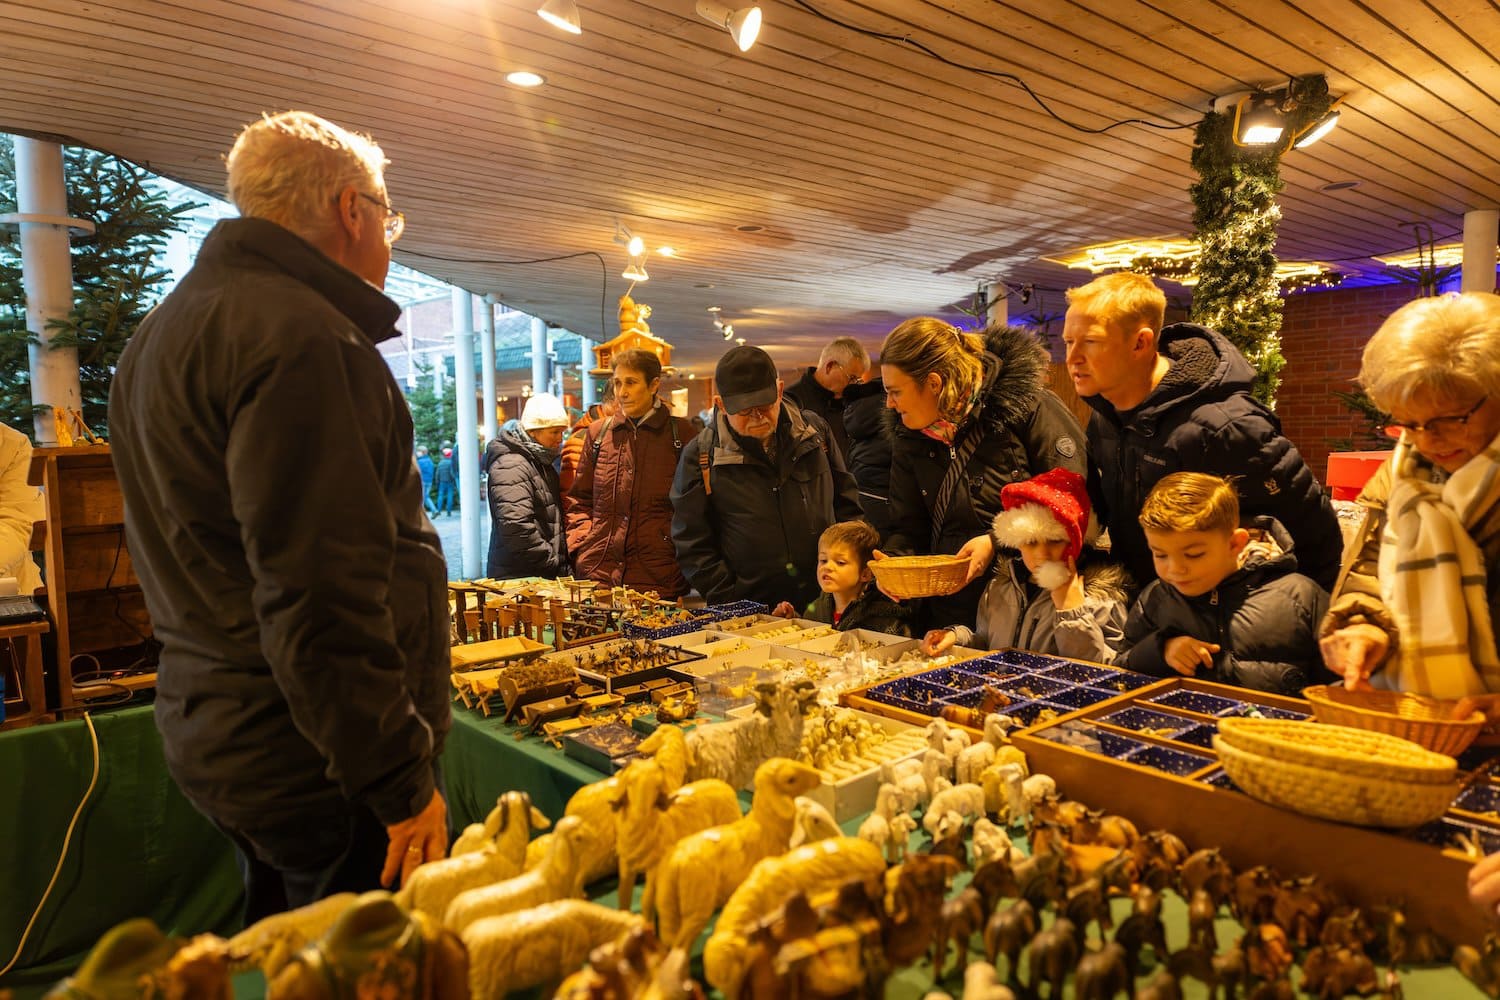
(561,14)
(743,25)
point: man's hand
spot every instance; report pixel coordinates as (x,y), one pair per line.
(938,641)
(980,551)
(784,610)
(1185,654)
(1353,652)
(1489,704)
(424,837)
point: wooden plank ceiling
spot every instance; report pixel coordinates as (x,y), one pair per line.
(827,181)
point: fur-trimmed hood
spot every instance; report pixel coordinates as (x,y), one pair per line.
(1015,374)
(1205,368)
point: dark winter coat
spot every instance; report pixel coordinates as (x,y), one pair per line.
(620,508)
(425,469)
(869,454)
(1202,418)
(303,620)
(527,534)
(755,535)
(1027,430)
(871,610)
(1014,612)
(808,394)
(1264,617)
(444,473)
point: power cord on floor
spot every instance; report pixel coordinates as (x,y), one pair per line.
(67,838)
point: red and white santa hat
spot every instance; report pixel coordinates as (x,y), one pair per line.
(1053,506)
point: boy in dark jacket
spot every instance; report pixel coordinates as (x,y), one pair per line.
(848,601)
(1222,608)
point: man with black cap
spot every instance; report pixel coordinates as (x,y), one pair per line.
(755,489)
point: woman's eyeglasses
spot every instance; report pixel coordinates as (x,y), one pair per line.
(1437,425)
(395,222)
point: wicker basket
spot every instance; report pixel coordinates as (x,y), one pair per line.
(1423,720)
(1346,798)
(921,576)
(1355,752)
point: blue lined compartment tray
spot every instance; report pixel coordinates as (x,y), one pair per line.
(1271,712)
(694,621)
(1161,724)
(953,679)
(1020,659)
(1025,712)
(1078,673)
(1178,762)
(1125,681)
(1031,687)
(1082,697)
(910,694)
(1199,702)
(1201,735)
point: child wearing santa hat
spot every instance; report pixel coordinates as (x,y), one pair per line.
(1054,593)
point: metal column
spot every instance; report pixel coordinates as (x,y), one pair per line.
(466,437)
(589,390)
(540,369)
(1481,229)
(487,364)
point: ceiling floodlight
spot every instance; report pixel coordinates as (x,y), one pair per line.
(635,269)
(743,25)
(1319,128)
(561,14)
(636,246)
(523,78)
(1257,120)
(667,251)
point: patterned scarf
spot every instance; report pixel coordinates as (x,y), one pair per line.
(1433,576)
(946,431)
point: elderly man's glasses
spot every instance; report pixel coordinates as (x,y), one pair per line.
(853,376)
(1437,425)
(763,412)
(395,222)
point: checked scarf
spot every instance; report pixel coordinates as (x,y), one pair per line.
(1433,576)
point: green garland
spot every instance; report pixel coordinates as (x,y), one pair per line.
(1235,216)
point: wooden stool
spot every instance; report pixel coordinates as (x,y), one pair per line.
(21,644)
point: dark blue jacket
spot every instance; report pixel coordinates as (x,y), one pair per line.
(527,533)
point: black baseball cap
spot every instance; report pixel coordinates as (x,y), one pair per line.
(745,377)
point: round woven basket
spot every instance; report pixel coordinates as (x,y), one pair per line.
(1428,721)
(1346,798)
(921,576)
(1338,748)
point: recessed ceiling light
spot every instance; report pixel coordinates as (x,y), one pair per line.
(523,78)
(714,309)
(749,229)
(666,251)
(1338,186)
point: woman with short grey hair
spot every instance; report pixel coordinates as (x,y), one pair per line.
(1418,594)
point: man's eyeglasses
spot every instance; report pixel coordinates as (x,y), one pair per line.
(1437,425)
(395,222)
(855,377)
(763,412)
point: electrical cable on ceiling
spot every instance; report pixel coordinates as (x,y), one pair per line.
(603,271)
(998,74)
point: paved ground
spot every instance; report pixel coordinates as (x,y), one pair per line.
(450,529)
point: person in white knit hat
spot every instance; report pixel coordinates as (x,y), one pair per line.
(528,536)
(1054,594)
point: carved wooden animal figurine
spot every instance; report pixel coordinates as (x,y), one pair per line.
(1051,956)
(635,965)
(1111,831)
(1084,904)
(995,880)
(1201,915)
(959,919)
(1206,869)
(902,827)
(651,817)
(914,906)
(272,941)
(981,982)
(1038,788)
(1268,954)
(1041,878)
(1397,943)
(990,842)
(1007,932)
(1141,928)
(731,751)
(1346,928)
(376,949)
(1004,793)
(1102,974)
(559,876)
(1195,962)
(501,828)
(876,827)
(701,872)
(1158,855)
(436,884)
(947,740)
(538,946)
(812,822)
(1254,894)
(966,800)
(1482,968)
(1300,906)
(1162,986)
(1331,974)
(136,961)
(974,760)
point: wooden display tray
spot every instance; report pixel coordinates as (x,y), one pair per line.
(471,655)
(1367,866)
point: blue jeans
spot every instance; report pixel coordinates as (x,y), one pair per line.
(427,503)
(445,498)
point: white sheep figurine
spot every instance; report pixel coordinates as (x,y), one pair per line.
(273,941)
(946,739)
(982,982)
(700,873)
(731,751)
(967,800)
(876,828)
(813,822)
(496,828)
(437,883)
(972,760)
(538,946)
(560,876)
(902,827)
(991,842)
(1037,789)
(649,819)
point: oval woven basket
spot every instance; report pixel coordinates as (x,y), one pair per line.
(1345,798)
(1339,749)
(1415,717)
(921,576)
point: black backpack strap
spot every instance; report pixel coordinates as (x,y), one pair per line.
(599,441)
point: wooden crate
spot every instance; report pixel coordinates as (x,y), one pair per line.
(1367,866)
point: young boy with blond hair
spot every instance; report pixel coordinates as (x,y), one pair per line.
(848,600)
(1223,608)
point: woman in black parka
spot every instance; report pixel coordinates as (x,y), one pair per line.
(527,534)
(968,413)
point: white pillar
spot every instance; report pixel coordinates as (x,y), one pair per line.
(487,363)
(466,435)
(410,340)
(1481,229)
(997,306)
(589,390)
(46,277)
(539,366)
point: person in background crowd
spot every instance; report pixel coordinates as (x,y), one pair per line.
(1177,399)
(302,693)
(869,454)
(447,478)
(969,413)
(821,390)
(572,448)
(1051,591)
(426,469)
(756,489)
(620,509)
(1419,592)
(848,600)
(1222,608)
(21,506)
(527,534)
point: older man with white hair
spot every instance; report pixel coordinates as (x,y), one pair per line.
(275,518)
